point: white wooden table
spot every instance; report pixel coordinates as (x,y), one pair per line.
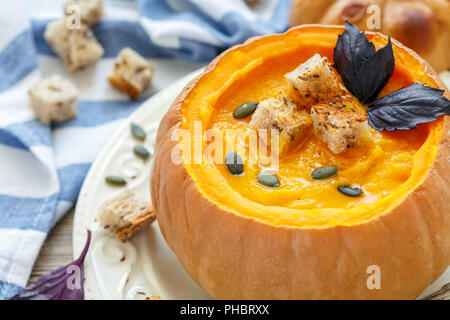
(57,250)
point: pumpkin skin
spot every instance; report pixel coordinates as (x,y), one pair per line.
(422,25)
(234,256)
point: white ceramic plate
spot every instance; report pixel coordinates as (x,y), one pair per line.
(143,266)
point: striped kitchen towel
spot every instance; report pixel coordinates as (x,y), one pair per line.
(42,167)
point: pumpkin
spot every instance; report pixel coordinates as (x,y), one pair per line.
(422,25)
(304,240)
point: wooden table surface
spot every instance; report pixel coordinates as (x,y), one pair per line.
(57,249)
(57,252)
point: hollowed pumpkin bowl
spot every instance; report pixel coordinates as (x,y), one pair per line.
(240,240)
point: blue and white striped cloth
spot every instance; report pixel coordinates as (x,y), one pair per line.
(42,167)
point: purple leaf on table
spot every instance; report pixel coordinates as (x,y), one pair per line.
(65,283)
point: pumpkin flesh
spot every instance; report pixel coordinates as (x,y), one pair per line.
(387,169)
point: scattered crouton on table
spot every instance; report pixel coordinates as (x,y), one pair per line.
(77,48)
(91,11)
(54,99)
(132,74)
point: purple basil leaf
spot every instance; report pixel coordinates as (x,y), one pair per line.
(65,283)
(352,49)
(375,73)
(364,70)
(405,108)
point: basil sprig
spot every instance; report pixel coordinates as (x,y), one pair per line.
(365,72)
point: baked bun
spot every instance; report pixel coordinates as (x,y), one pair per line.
(422,25)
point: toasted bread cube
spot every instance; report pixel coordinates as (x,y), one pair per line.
(54,99)
(281,114)
(77,48)
(132,74)
(316,82)
(124,215)
(341,125)
(91,11)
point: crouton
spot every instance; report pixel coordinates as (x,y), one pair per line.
(281,114)
(54,99)
(315,82)
(132,74)
(340,124)
(124,215)
(77,48)
(91,11)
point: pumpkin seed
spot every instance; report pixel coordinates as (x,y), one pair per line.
(137,131)
(115,180)
(141,151)
(245,109)
(268,179)
(350,191)
(324,173)
(234,163)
